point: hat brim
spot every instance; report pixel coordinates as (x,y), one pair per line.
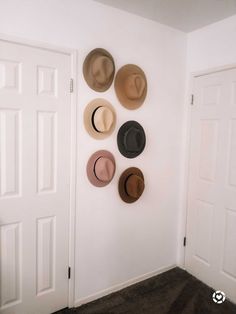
(120,139)
(88,112)
(121,75)
(90,167)
(87,69)
(121,186)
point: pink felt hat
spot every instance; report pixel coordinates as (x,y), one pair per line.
(101,168)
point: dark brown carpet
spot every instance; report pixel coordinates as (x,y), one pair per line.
(173,292)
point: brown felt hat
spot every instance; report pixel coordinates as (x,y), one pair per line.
(131,86)
(131,185)
(99,118)
(99,69)
(101,168)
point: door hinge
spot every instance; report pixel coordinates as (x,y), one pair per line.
(192,99)
(71,85)
(184,242)
(69,272)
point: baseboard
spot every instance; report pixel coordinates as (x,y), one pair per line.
(121,286)
(181,266)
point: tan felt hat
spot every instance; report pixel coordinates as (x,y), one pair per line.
(99,69)
(99,118)
(131,86)
(101,168)
(131,185)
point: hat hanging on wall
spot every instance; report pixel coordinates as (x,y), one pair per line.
(101,168)
(131,86)
(131,185)
(131,139)
(99,118)
(99,69)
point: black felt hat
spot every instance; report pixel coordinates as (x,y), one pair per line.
(131,139)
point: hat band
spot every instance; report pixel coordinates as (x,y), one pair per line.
(126,188)
(92,120)
(94,169)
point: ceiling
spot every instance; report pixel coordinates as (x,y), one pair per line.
(185,15)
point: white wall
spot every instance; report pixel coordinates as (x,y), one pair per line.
(212,46)
(208,48)
(117,242)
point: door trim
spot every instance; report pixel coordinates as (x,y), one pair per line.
(73,54)
(186,154)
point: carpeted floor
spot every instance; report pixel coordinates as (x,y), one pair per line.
(173,292)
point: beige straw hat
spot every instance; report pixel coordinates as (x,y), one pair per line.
(99,118)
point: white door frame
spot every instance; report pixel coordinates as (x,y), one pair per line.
(186,154)
(72,53)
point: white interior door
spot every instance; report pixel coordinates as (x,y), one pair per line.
(34,179)
(211,222)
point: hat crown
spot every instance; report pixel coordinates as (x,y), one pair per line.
(103,119)
(102,69)
(104,169)
(133,139)
(134,86)
(134,186)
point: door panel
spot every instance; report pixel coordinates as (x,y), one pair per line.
(34,179)
(232,155)
(211,223)
(208,149)
(9,153)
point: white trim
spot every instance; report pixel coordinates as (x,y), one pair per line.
(186,160)
(72,53)
(36,44)
(214,70)
(120,286)
(73,186)
(188,125)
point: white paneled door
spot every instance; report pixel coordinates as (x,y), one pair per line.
(211,222)
(34,179)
